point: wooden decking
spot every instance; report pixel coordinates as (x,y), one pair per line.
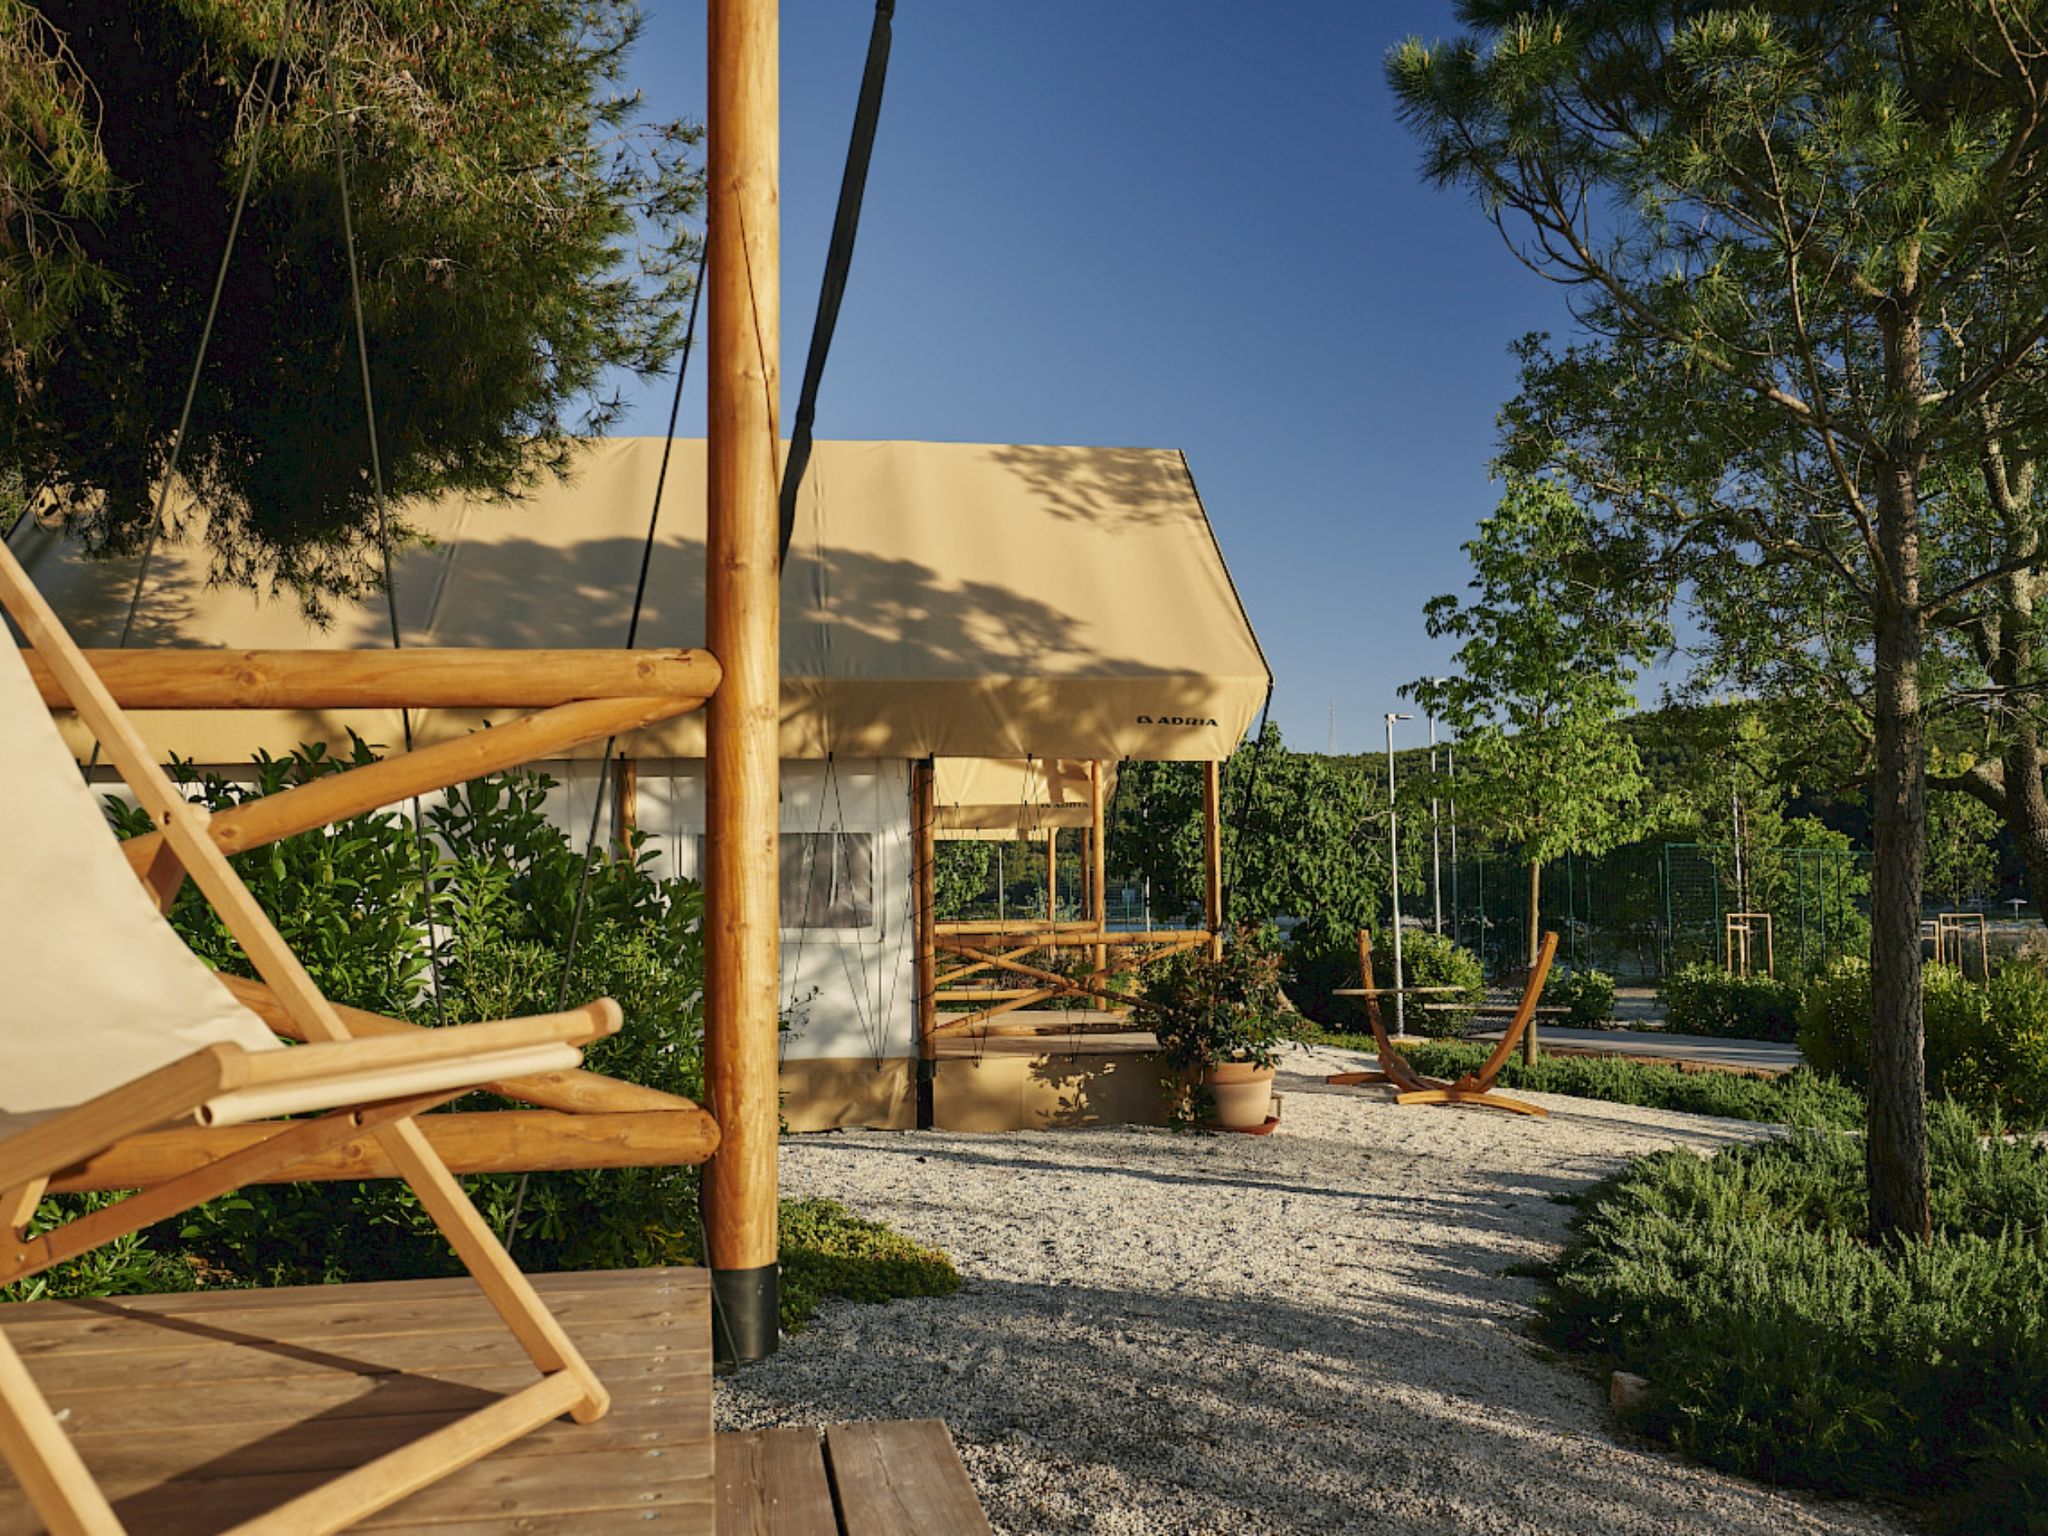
(900,1478)
(199,1411)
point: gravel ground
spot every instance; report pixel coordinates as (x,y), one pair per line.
(1305,1332)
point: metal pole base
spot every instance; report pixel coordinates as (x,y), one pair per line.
(746,1310)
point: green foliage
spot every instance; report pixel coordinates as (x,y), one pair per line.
(1986,1043)
(352,900)
(963,871)
(1962,848)
(521,232)
(1587,992)
(1706,1000)
(1431,960)
(1799,1098)
(829,1252)
(1542,681)
(1207,1012)
(1780,1346)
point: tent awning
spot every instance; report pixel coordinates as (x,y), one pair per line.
(940,599)
(1002,799)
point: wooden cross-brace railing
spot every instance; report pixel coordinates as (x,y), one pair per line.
(1003,950)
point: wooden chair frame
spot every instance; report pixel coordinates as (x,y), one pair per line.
(34,1444)
(1410,1086)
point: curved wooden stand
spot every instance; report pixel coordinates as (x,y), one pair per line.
(1410,1086)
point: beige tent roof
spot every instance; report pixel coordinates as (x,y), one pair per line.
(1003,798)
(941,599)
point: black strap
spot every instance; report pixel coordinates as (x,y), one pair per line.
(838,261)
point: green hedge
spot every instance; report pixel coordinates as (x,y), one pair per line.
(1779,1345)
(1987,1043)
(1706,1000)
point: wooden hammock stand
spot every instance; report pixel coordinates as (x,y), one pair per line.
(1410,1086)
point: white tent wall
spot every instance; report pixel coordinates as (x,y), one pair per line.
(849,983)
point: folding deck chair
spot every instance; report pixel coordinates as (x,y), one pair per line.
(1410,1086)
(111,1030)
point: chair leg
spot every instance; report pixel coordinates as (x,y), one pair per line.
(543,1338)
(46,1463)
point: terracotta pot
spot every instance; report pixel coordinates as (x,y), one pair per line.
(1242,1094)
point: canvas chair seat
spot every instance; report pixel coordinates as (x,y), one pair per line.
(98,988)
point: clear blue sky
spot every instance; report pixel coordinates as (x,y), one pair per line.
(1184,224)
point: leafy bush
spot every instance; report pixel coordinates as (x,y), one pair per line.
(1588,993)
(1986,1046)
(1798,1098)
(1427,960)
(1780,1345)
(1706,1000)
(1207,1012)
(1431,960)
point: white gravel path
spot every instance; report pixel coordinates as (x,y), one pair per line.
(1302,1333)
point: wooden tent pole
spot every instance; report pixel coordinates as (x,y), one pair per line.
(924,888)
(626,804)
(1097,894)
(742,780)
(1052,884)
(1212,856)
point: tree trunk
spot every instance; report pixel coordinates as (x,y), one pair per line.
(1895,1150)
(2026,808)
(1535,948)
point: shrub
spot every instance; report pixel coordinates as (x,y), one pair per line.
(1206,1012)
(1588,993)
(1315,972)
(1779,1345)
(1706,1000)
(1986,1047)
(1431,960)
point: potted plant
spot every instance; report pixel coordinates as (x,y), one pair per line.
(1221,1024)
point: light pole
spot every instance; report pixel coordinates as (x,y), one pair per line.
(1451,768)
(1394,880)
(1436,845)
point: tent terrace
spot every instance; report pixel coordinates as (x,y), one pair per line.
(973,636)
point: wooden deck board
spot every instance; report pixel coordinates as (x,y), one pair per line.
(873,1478)
(197,1411)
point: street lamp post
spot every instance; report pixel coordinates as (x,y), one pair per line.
(1436,843)
(1451,768)
(1394,879)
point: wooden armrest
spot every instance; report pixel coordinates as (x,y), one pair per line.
(578,1092)
(421,678)
(579,1026)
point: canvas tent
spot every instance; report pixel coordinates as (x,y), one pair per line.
(1007,614)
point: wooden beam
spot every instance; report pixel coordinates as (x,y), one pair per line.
(1212,856)
(743,313)
(625,803)
(1098,896)
(337,796)
(487,1141)
(425,678)
(924,817)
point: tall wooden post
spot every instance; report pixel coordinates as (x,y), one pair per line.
(924,906)
(626,804)
(1098,896)
(742,611)
(1212,855)
(1052,897)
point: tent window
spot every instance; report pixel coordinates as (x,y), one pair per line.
(828,879)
